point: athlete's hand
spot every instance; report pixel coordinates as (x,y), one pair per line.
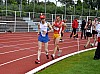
(62,31)
(38,33)
(50,30)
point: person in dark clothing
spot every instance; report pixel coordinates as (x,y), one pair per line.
(88,28)
(97,52)
(83,29)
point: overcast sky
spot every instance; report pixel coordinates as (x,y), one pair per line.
(58,3)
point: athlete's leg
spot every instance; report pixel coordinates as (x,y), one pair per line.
(95,39)
(39,49)
(71,33)
(56,47)
(81,33)
(46,49)
(39,52)
(88,41)
(84,34)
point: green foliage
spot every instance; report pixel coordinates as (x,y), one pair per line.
(50,7)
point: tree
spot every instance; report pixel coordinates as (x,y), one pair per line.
(1,2)
(11,1)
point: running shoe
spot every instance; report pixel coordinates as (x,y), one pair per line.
(85,47)
(59,52)
(52,56)
(61,40)
(37,61)
(47,56)
(91,44)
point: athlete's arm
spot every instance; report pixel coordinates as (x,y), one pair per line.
(38,28)
(86,26)
(53,25)
(65,26)
(50,27)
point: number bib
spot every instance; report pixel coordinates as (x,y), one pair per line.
(56,28)
(88,31)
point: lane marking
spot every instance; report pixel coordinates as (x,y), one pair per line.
(25,57)
(56,60)
(29,48)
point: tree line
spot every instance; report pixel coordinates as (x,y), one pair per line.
(89,6)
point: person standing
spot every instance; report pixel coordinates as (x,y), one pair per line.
(94,32)
(83,29)
(57,26)
(88,28)
(43,37)
(97,52)
(74,26)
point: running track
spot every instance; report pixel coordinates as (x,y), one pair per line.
(18,51)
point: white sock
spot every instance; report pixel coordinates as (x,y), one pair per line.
(53,55)
(46,53)
(39,53)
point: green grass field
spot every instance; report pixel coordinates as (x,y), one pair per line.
(78,64)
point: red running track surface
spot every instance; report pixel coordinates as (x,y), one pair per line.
(18,51)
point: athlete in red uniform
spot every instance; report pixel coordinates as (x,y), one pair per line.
(57,26)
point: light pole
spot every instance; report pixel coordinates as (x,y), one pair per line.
(20,8)
(97,10)
(82,7)
(89,7)
(34,5)
(6,7)
(90,10)
(45,7)
(56,8)
(65,10)
(75,2)
(33,8)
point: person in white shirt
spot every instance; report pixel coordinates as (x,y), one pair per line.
(94,32)
(43,37)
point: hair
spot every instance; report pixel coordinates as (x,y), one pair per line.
(76,17)
(96,17)
(91,21)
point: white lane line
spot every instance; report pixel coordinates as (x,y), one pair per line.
(26,57)
(17,50)
(25,43)
(51,39)
(56,60)
(30,48)
(16,60)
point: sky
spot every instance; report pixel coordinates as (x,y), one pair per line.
(58,3)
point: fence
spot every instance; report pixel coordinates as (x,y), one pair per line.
(19,21)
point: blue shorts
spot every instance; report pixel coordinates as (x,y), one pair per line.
(43,39)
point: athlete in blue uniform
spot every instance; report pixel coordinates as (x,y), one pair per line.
(43,37)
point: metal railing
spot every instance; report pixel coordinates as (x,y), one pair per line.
(19,21)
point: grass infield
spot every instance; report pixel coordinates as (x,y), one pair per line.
(82,63)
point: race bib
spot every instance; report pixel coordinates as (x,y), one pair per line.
(56,28)
(88,31)
(43,33)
